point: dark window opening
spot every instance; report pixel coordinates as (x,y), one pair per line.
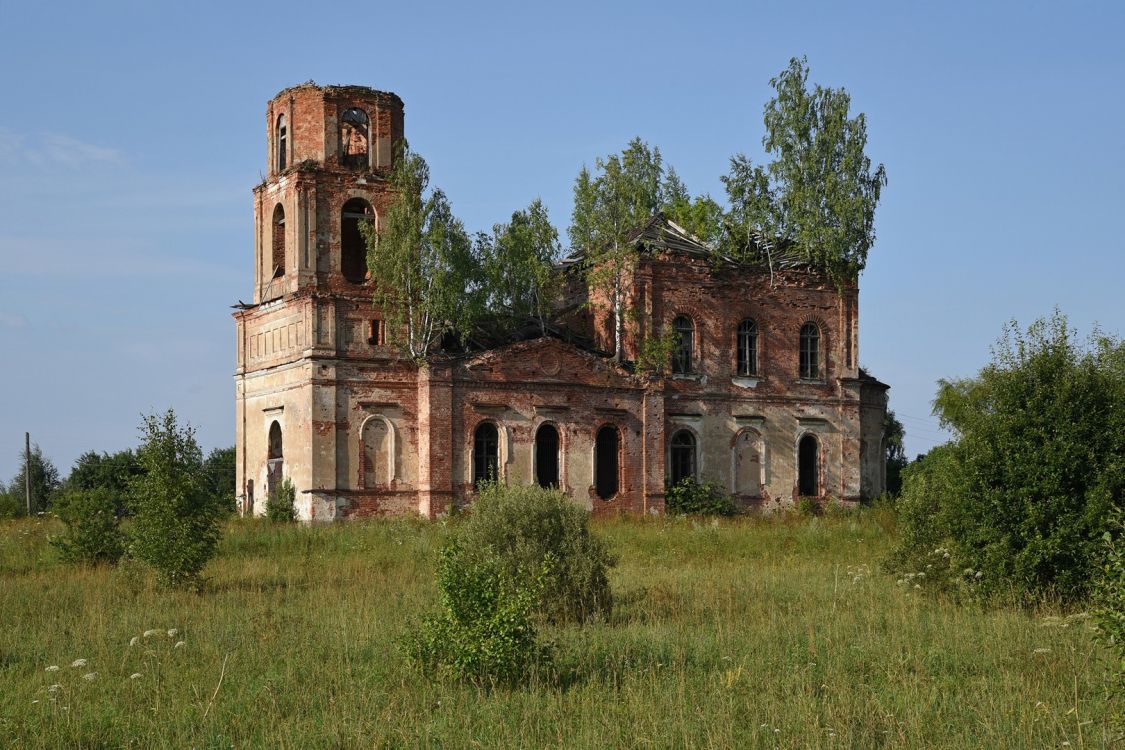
(354,138)
(282,143)
(547,456)
(486,456)
(808,484)
(278,241)
(274,460)
(684,333)
(683,456)
(377,333)
(353,248)
(607,450)
(747,348)
(810,351)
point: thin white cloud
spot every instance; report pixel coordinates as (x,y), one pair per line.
(53,149)
(12,320)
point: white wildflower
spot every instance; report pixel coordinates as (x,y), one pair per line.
(52,668)
(179,644)
(90,676)
(172,632)
(978,575)
(54,688)
(151,633)
(917,585)
(134,641)
(968,571)
(1042,651)
(135,676)
(78,664)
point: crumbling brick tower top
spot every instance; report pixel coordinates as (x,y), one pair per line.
(329,153)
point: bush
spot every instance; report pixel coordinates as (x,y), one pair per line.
(1110,611)
(281,506)
(1021,497)
(484,633)
(809,506)
(519,528)
(93,534)
(176,524)
(690,497)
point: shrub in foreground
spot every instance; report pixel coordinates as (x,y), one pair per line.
(1110,610)
(484,632)
(691,497)
(93,534)
(281,505)
(1018,502)
(518,528)
(176,520)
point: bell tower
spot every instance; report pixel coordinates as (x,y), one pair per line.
(329,151)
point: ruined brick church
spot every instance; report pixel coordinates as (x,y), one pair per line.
(763,394)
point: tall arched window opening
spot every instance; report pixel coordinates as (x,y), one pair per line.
(810,352)
(607,457)
(274,460)
(486,453)
(354,138)
(684,334)
(282,138)
(278,241)
(353,249)
(808,467)
(547,456)
(682,463)
(747,348)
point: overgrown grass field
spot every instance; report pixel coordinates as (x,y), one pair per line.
(736,634)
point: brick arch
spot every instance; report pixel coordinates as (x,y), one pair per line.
(390,457)
(502,451)
(825,341)
(672,430)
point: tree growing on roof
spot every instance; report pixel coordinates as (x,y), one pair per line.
(428,277)
(819,192)
(519,263)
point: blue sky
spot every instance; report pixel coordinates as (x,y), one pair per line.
(132,132)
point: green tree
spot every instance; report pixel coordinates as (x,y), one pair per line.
(220,470)
(818,194)
(1024,492)
(105,471)
(702,216)
(281,505)
(519,260)
(93,533)
(428,277)
(624,193)
(176,519)
(44,484)
(894,435)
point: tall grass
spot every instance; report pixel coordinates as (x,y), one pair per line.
(745,633)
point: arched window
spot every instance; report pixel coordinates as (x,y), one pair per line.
(376,461)
(747,348)
(274,460)
(278,241)
(547,456)
(353,250)
(684,334)
(748,464)
(810,352)
(282,138)
(682,456)
(808,467)
(607,458)
(354,138)
(486,453)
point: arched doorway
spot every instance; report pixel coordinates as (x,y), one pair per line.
(607,447)
(275,460)
(547,456)
(808,467)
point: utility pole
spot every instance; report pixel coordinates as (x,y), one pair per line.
(27,470)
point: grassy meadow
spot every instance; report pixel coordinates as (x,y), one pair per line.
(750,633)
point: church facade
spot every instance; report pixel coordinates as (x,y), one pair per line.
(763,394)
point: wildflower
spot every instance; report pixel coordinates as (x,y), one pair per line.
(134,641)
(78,663)
(52,668)
(172,632)
(901,581)
(179,644)
(968,571)
(917,585)
(151,633)
(35,701)
(90,676)
(978,575)
(135,676)
(54,688)
(1041,651)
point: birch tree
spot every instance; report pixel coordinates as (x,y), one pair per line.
(519,259)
